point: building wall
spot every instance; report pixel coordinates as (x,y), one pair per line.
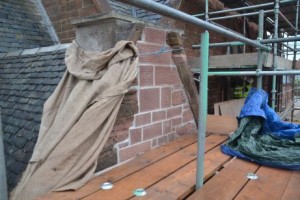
(61,12)
(164,112)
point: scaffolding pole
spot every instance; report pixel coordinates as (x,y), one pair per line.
(202,109)
(263,41)
(278,40)
(276,13)
(3,184)
(203,93)
(245,8)
(176,14)
(259,54)
(239,15)
(287,21)
(252,73)
(295,54)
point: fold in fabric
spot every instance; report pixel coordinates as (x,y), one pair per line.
(77,119)
(262,137)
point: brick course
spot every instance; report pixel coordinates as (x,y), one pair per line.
(162,103)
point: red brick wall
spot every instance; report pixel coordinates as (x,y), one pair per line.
(62,11)
(164,113)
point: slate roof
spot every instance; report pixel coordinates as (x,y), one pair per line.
(26,81)
(125,9)
(21,26)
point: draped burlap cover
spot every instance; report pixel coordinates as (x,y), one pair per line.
(78,118)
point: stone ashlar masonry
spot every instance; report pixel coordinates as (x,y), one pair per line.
(61,12)
(164,113)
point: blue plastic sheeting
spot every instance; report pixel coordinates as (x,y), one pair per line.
(263,137)
(256,104)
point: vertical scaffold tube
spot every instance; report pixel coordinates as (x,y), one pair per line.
(260,51)
(295,54)
(203,90)
(3,184)
(276,13)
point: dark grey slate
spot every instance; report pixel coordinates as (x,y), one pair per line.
(21,27)
(26,81)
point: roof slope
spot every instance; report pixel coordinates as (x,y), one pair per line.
(26,81)
(21,26)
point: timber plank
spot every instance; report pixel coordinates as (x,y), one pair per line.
(227,183)
(174,40)
(149,175)
(292,190)
(221,124)
(270,184)
(182,182)
(126,169)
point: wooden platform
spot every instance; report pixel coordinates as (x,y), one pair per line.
(169,173)
(238,61)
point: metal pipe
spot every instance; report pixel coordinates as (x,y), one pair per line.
(276,12)
(252,73)
(277,40)
(239,15)
(221,44)
(176,14)
(206,10)
(245,8)
(286,20)
(203,94)
(295,54)
(3,183)
(263,41)
(259,53)
(288,47)
(296,28)
(244,27)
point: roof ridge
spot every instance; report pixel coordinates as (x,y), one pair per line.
(35,50)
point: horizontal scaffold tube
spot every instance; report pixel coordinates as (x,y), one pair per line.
(246,8)
(176,14)
(254,73)
(222,44)
(287,39)
(239,15)
(264,41)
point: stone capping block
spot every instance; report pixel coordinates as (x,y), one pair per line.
(48,49)
(33,51)
(84,21)
(2,55)
(30,51)
(14,53)
(63,46)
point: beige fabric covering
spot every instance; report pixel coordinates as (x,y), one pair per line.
(77,119)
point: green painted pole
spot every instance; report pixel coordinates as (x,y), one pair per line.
(203,94)
(222,44)
(3,184)
(254,73)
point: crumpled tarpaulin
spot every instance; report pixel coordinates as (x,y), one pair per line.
(263,137)
(77,119)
